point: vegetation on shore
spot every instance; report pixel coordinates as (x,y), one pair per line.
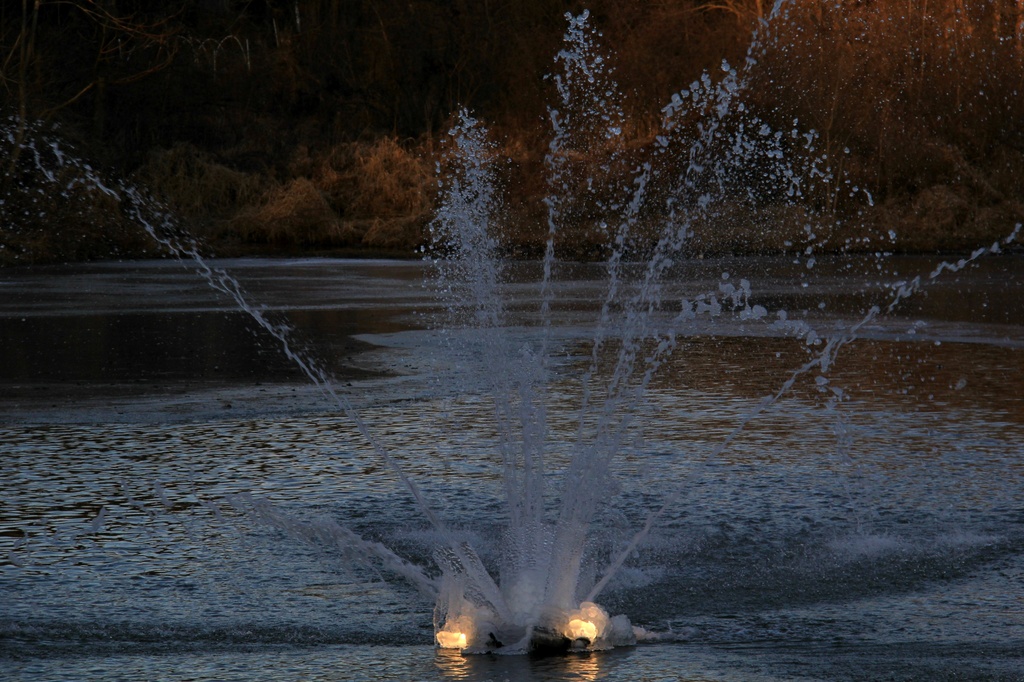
(313,126)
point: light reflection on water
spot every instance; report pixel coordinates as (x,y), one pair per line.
(344,662)
(904,551)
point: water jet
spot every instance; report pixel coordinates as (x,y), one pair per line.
(586,450)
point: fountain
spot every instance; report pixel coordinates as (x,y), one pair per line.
(543,602)
(541,592)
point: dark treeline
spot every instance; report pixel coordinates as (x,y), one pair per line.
(139,73)
(314,124)
(143,73)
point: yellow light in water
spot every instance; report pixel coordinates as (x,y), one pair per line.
(451,640)
(582,629)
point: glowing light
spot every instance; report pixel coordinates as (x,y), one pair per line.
(447,639)
(589,622)
(582,629)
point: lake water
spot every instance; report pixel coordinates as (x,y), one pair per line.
(883,539)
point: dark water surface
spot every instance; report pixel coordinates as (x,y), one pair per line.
(883,539)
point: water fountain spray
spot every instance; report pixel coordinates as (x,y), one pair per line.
(538,598)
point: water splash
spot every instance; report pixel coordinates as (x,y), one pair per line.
(538,596)
(707,154)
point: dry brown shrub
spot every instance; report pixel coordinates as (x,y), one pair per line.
(394,233)
(946,218)
(382,191)
(375,194)
(380,179)
(739,228)
(195,185)
(911,88)
(293,214)
(63,219)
